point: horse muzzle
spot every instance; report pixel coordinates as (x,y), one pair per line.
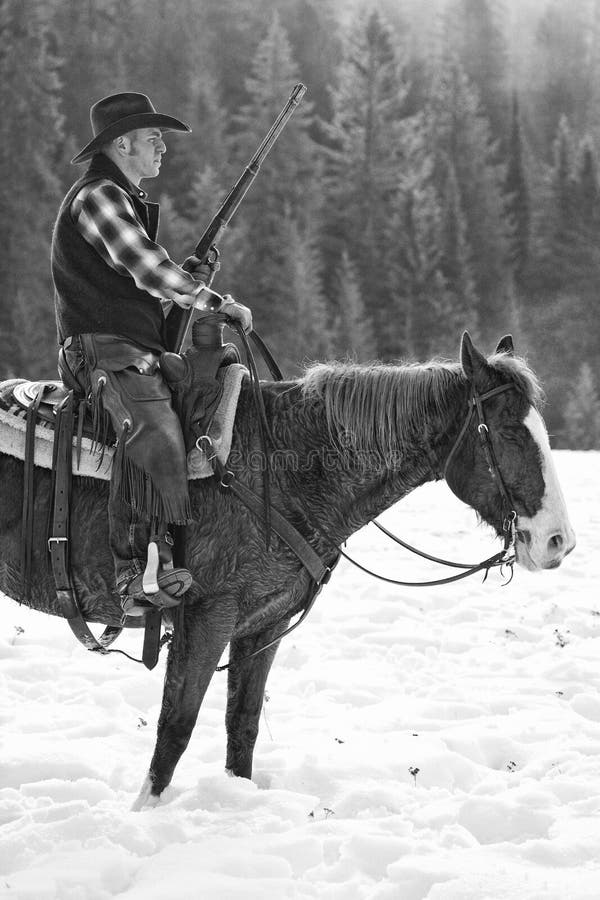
(543,548)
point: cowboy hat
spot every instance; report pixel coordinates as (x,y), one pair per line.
(120,113)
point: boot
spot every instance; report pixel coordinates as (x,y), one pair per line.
(171,583)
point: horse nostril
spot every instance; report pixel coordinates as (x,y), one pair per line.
(556,542)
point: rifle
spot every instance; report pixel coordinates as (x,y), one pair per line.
(179,320)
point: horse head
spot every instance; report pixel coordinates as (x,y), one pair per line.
(501,463)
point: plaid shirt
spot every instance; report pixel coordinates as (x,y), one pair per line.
(105,217)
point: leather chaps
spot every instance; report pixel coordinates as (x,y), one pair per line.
(149,466)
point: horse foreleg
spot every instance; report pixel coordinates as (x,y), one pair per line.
(245,694)
(199,638)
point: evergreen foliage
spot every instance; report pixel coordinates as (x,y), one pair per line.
(441,173)
(352,332)
(582,413)
(419,288)
(560,71)
(287,192)
(460,135)
(30,136)
(518,205)
(363,160)
(482,47)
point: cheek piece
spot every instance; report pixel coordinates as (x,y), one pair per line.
(509,515)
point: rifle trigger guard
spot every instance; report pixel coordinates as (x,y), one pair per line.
(212,258)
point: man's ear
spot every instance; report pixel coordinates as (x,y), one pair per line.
(473,362)
(505,345)
(121,144)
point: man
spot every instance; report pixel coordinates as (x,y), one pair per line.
(111,279)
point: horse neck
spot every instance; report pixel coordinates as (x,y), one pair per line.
(351,484)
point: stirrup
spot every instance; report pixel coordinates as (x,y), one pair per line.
(172,584)
(159,559)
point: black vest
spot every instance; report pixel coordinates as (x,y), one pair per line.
(90,296)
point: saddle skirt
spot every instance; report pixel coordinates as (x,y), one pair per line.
(96,462)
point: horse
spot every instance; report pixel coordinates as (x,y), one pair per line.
(346,442)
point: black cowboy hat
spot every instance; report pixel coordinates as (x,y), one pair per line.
(120,113)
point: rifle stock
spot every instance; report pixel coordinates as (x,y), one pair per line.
(179,320)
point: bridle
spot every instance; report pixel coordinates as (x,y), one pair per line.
(509,517)
(505,557)
(321,572)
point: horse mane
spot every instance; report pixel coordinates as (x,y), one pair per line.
(372,407)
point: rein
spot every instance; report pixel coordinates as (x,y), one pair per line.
(304,551)
(506,556)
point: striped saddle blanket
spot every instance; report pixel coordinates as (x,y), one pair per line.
(96,462)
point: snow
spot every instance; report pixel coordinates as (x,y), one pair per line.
(439,743)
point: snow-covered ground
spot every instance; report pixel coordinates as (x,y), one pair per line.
(439,743)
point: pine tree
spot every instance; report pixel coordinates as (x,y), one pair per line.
(458,133)
(301,274)
(558,218)
(205,150)
(289,168)
(287,187)
(559,76)
(518,204)
(582,413)
(352,329)
(456,263)
(477,33)
(170,62)
(415,262)
(98,45)
(176,234)
(592,121)
(313,29)
(563,176)
(567,262)
(587,187)
(363,158)
(30,135)
(231,39)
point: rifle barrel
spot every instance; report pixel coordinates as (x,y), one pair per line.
(279,124)
(178,321)
(240,188)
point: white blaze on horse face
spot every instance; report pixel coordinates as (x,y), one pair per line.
(547,537)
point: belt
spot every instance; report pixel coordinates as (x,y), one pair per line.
(113,352)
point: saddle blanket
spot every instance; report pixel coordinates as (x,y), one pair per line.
(97,464)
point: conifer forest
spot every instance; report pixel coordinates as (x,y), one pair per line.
(440,174)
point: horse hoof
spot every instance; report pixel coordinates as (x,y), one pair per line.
(146,799)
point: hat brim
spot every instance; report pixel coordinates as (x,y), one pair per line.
(123,126)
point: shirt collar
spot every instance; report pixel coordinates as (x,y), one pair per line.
(103,165)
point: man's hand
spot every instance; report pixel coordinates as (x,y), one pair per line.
(236,311)
(201,271)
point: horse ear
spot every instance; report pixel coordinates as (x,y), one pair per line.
(505,345)
(472,361)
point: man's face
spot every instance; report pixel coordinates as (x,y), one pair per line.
(146,148)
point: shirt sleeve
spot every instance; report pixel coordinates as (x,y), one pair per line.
(105,217)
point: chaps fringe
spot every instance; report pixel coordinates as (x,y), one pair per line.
(136,487)
(131,481)
(100,424)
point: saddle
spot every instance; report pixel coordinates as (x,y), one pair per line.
(43,422)
(51,394)
(215,417)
